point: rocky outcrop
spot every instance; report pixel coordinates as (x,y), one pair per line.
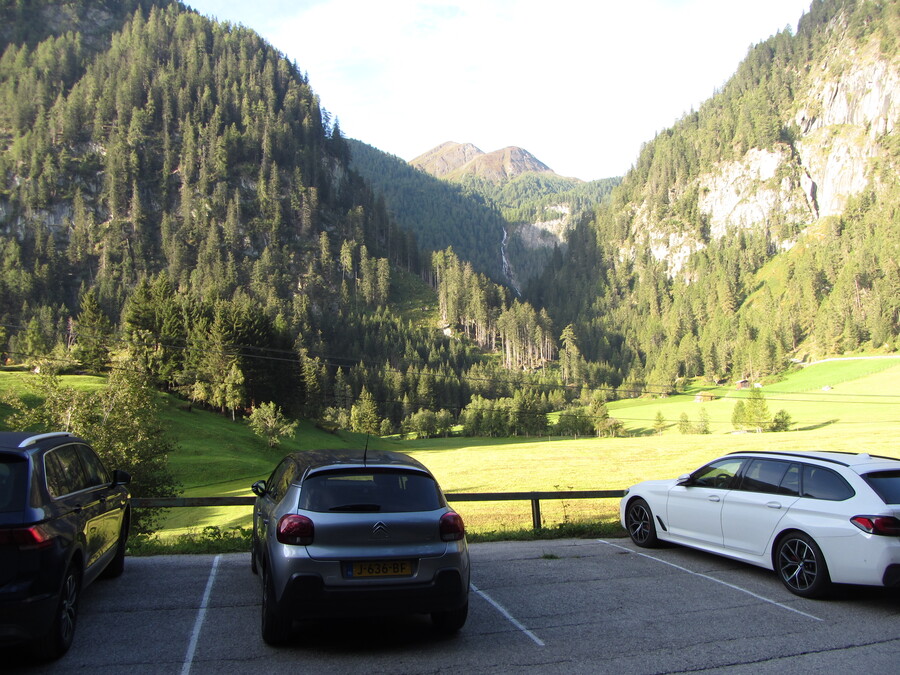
(840,118)
(749,193)
(545,234)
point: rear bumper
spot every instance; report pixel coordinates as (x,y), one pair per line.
(865,559)
(891,576)
(26,619)
(306,596)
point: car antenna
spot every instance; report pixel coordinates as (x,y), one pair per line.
(366,449)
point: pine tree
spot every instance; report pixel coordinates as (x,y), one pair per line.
(364,415)
(94,331)
(659,423)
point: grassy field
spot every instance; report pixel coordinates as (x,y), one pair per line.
(851,406)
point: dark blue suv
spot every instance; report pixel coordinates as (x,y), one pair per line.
(63,522)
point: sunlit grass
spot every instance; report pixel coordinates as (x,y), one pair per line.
(847,406)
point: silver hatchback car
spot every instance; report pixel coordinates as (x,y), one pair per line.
(356,533)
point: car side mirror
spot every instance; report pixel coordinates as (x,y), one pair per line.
(685,480)
(121,477)
(259,488)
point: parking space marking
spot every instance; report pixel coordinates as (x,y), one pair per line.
(706,576)
(509,617)
(201,616)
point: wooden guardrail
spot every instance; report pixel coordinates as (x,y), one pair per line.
(533,497)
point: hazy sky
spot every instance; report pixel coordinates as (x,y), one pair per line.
(581,84)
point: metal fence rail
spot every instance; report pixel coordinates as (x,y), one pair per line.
(533,497)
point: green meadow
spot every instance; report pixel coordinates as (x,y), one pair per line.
(841,405)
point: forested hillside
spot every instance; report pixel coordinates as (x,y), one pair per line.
(539,209)
(440,214)
(172,190)
(175,200)
(763,227)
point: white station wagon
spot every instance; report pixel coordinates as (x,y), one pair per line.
(814,518)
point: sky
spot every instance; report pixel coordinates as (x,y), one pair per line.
(581,84)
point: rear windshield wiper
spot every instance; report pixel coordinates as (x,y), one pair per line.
(357,507)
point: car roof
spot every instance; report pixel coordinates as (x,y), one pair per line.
(859,462)
(25,441)
(361,458)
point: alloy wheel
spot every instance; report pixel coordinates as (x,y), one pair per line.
(639,521)
(68,608)
(798,565)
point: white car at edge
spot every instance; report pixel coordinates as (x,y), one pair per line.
(814,518)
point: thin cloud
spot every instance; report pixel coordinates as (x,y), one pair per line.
(581,85)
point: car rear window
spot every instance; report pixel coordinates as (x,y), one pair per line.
(13,481)
(822,483)
(370,491)
(886,485)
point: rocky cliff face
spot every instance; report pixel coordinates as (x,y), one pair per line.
(849,103)
(843,120)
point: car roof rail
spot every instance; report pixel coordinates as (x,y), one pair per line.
(794,455)
(31,440)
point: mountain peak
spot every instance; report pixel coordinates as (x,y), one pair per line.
(455,160)
(446,158)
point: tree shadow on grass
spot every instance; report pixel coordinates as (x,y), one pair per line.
(821,425)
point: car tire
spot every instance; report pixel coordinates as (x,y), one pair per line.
(801,566)
(451,621)
(640,525)
(275,626)
(62,631)
(117,565)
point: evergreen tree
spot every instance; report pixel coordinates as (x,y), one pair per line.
(659,423)
(756,412)
(364,415)
(94,331)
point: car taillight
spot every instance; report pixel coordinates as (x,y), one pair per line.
(26,538)
(452,528)
(295,530)
(884,525)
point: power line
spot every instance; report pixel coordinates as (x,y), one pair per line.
(272,354)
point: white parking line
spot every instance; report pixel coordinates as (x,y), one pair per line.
(706,576)
(509,617)
(201,615)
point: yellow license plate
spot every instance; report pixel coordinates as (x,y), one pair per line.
(380,568)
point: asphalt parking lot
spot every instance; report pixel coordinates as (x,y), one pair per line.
(567,606)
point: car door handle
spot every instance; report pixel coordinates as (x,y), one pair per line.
(714,498)
(774,505)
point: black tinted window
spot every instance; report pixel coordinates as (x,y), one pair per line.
(95,471)
(790,484)
(822,483)
(886,485)
(765,475)
(719,474)
(13,481)
(281,478)
(64,471)
(370,491)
